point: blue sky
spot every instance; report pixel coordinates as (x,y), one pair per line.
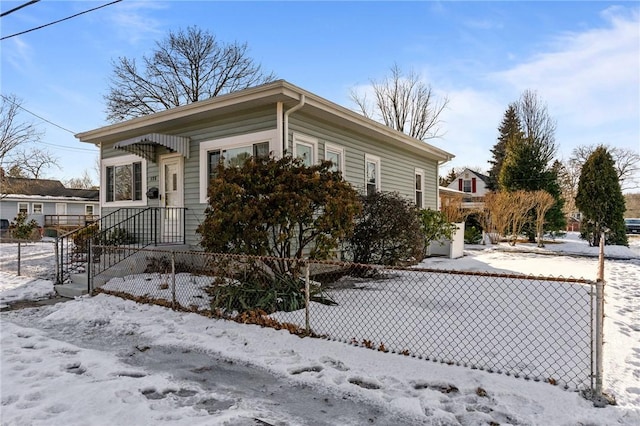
(582,58)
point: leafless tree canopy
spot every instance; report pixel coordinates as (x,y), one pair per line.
(405,103)
(538,126)
(187,66)
(33,162)
(627,163)
(83,182)
(13,132)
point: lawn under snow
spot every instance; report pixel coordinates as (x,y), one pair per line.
(104,360)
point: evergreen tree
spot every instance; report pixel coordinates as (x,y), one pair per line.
(527,160)
(450,177)
(509,129)
(600,200)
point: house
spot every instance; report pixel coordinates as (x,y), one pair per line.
(164,160)
(474,186)
(48,202)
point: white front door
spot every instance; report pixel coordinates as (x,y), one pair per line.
(172,198)
(61,212)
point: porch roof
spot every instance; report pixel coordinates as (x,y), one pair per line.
(145,146)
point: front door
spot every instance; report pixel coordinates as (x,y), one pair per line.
(172,198)
(61,213)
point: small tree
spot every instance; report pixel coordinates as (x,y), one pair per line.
(600,200)
(278,207)
(542,201)
(21,229)
(387,232)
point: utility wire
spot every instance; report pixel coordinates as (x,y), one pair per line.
(60,20)
(15,9)
(36,115)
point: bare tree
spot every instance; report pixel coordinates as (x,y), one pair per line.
(14,132)
(33,162)
(405,103)
(187,66)
(542,201)
(627,163)
(83,182)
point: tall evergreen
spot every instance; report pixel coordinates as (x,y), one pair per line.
(510,129)
(527,159)
(600,200)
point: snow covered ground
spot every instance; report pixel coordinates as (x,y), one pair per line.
(107,361)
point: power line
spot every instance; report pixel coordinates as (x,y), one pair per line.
(15,9)
(60,20)
(36,115)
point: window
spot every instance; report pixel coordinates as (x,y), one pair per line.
(23,208)
(335,154)
(88,210)
(466,185)
(372,174)
(232,152)
(419,183)
(36,208)
(124,180)
(305,147)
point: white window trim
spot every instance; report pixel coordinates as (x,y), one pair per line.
(93,206)
(368,158)
(222,144)
(33,208)
(338,150)
(24,204)
(309,141)
(421,173)
(122,161)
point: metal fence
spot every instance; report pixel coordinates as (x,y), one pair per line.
(535,328)
(29,258)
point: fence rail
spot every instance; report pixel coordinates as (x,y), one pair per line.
(536,328)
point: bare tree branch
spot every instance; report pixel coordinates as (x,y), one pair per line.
(33,162)
(186,67)
(405,103)
(13,132)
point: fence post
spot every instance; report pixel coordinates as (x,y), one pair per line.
(307,298)
(19,250)
(173,280)
(89,263)
(598,398)
(58,267)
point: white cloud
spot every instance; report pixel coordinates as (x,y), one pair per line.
(133,23)
(19,55)
(589,78)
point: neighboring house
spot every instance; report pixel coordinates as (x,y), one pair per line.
(166,159)
(473,185)
(48,202)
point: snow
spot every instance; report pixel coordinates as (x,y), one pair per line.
(106,361)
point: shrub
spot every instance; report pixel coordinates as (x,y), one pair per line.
(23,230)
(472,235)
(387,232)
(435,226)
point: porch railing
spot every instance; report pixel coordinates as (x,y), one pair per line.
(69,220)
(127,228)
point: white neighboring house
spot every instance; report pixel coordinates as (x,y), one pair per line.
(48,202)
(473,186)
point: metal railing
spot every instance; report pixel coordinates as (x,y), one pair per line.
(130,229)
(69,220)
(535,328)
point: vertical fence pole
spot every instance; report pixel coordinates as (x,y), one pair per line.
(173,280)
(307,297)
(598,399)
(19,260)
(58,267)
(89,262)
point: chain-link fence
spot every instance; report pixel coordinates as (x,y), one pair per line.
(536,328)
(29,258)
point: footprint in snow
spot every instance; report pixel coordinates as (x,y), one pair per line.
(334,363)
(308,369)
(365,383)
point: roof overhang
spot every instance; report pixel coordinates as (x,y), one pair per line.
(268,94)
(145,146)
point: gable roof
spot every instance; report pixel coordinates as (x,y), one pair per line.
(278,91)
(481,176)
(45,187)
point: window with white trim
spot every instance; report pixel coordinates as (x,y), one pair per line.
(466,185)
(372,174)
(124,181)
(232,152)
(419,182)
(36,208)
(23,208)
(305,148)
(335,154)
(89,210)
